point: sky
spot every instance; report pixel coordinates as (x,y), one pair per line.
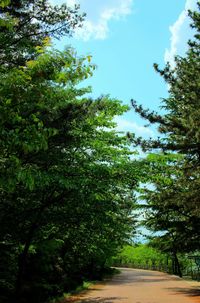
(125,39)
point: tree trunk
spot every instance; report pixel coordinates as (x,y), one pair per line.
(22,262)
(177,269)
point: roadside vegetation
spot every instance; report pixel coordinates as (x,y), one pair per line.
(140,256)
(145,256)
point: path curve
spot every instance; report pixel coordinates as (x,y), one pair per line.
(141,286)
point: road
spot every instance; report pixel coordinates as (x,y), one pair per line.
(141,286)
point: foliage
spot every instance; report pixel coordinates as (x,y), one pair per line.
(31,23)
(139,255)
(66,187)
(172,194)
(64,170)
(166,207)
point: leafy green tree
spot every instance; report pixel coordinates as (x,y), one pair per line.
(66,197)
(140,255)
(31,23)
(66,187)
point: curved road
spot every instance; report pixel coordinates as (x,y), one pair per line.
(141,286)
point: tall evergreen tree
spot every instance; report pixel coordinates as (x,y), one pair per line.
(173,202)
(180,125)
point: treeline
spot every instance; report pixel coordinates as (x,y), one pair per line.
(66,201)
(145,256)
(141,256)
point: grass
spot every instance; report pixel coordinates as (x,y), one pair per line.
(86,285)
(78,290)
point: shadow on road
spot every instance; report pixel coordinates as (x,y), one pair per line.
(142,277)
(142,280)
(102,300)
(191,292)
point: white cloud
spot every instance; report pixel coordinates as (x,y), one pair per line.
(99,14)
(180,33)
(71,3)
(130,126)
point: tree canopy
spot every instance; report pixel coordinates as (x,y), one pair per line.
(29,23)
(172,197)
(179,126)
(67,181)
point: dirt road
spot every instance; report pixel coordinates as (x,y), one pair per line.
(141,286)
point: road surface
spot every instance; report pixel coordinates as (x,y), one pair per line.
(141,286)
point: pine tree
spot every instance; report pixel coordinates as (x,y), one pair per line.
(180,126)
(174,172)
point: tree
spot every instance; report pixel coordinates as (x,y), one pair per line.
(31,23)
(140,255)
(173,201)
(66,200)
(180,125)
(174,222)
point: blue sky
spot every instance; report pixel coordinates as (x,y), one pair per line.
(125,38)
